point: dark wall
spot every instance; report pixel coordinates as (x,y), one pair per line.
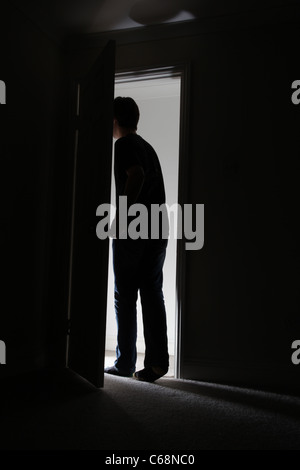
(31,147)
(241,306)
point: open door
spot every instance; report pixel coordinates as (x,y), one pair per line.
(91,187)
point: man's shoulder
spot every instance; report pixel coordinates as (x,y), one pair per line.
(125,141)
(131,142)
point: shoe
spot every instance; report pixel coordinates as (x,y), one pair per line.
(149,374)
(114,371)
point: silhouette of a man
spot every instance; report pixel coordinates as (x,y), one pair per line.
(138,263)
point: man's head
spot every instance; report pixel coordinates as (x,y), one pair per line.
(126,116)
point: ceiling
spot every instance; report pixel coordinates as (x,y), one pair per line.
(62,17)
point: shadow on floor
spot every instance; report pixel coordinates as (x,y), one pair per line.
(60,410)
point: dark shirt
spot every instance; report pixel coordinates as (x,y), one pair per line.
(133,150)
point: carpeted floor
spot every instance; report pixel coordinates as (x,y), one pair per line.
(63,411)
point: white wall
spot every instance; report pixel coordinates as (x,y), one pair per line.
(159,103)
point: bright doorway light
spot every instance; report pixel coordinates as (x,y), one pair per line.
(159,103)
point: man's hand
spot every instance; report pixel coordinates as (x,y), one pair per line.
(113,228)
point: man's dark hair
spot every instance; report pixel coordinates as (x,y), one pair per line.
(126,111)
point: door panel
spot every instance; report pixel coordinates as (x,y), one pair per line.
(92,184)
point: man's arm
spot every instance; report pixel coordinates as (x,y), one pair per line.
(133,187)
(134,183)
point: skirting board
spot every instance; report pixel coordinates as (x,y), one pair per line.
(23,364)
(275,376)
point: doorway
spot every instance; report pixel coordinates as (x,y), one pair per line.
(158,95)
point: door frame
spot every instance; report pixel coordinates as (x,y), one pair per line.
(182,70)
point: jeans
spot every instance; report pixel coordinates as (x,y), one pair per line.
(138,267)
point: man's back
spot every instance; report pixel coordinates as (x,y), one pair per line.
(133,150)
